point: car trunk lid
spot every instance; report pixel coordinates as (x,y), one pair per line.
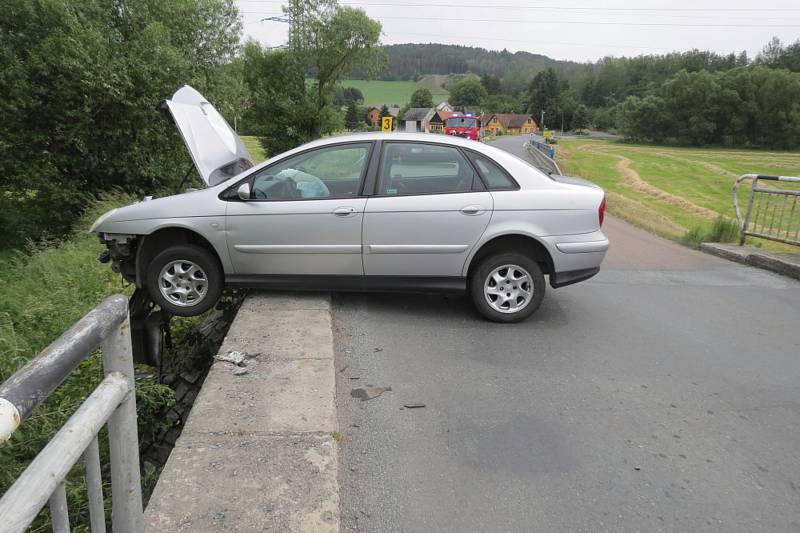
(216,150)
(573,181)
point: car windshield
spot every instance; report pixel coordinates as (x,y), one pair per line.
(462,122)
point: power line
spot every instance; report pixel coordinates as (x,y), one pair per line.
(580,22)
(558,8)
(595,44)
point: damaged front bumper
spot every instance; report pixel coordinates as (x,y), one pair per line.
(121,253)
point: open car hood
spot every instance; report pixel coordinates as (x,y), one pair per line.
(217,152)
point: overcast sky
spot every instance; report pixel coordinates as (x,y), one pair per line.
(579,30)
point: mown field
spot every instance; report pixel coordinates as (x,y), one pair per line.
(378,92)
(668,190)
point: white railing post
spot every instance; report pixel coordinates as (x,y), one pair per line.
(126,487)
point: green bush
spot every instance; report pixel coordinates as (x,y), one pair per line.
(80,81)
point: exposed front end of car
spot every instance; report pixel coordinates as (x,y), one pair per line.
(120,252)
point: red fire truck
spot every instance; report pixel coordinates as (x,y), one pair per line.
(464,125)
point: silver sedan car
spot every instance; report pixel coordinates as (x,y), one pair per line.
(364,212)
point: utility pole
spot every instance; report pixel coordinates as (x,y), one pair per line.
(543,128)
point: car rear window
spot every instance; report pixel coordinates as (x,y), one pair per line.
(419,168)
(496,178)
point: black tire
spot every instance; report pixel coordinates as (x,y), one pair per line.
(209,267)
(479,276)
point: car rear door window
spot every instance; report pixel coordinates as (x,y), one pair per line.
(330,172)
(419,168)
(496,178)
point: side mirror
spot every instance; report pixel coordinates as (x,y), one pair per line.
(244,191)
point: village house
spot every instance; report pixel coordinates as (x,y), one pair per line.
(444,106)
(438,120)
(509,124)
(417,119)
(374,114)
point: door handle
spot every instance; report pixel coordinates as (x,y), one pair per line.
(344,211)
(472,210)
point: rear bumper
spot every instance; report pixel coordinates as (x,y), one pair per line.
(584,247)
(562,279)
(576,257)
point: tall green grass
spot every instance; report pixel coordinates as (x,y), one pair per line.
(44,289)
(722,230)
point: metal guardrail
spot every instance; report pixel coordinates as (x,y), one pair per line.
(546,149)
(543,161)
(771,213)
(107,326)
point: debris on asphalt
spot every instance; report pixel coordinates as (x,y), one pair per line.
(378,350)
(237,359)
(234,357)
(413,405)
(368,392)
(637,468)
(354,377)
(343,368)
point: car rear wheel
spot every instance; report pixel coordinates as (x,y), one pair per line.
(507,287)
(185,280)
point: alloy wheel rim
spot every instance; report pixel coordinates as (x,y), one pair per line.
(508,289)
(183,283)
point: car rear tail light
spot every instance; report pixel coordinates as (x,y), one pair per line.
(601,211)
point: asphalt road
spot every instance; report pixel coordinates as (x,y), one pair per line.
(662,395)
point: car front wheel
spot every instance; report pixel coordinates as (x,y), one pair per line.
(185,280)
(507,287)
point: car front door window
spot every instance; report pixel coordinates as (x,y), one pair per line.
(332,172)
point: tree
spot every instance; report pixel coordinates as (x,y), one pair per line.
(352,94)
(283,114)
(643,119)
(491,84)
(580,117)
(468,94)
(515,80)
(776,55)
(352,119)
(692,100)
(421,98)
(771,54)
(331,40)
(385,111)
(543,95)
(80,82)
(502,103)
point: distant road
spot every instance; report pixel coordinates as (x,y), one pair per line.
(516,146)
(661,395)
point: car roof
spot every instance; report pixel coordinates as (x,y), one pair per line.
(506,159)
(448,140)
(396,136)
